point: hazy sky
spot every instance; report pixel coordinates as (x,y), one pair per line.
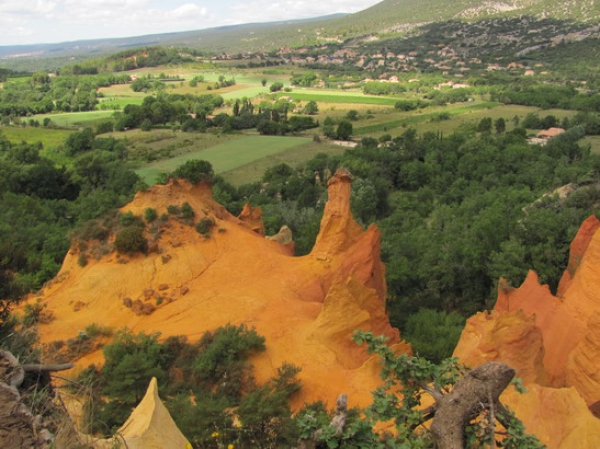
(49,21)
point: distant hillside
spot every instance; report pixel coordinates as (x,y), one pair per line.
(255,36)
(395,15)
(384,20)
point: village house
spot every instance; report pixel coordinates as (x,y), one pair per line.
(545,135)
(550,133)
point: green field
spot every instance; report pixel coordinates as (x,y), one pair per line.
(50,138)
(332,96)
(244,91)
(119,95)
(427,115)
(75,119)
(294,157)
(227,156)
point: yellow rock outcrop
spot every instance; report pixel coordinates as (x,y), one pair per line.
(149,426)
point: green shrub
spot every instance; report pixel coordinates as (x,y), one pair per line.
(265,412)
(205,225)
(82,260)
(173,209)
(97,330)
(150,215)
(200,419)
(131,240)
(195,171)
(32,313)
(276,86)
(130,219)
(91,230)
(222,355)
(187,211)
(132,360)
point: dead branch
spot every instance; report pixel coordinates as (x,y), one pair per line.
(483,385)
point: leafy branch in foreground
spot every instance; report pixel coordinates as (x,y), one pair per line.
(466,403)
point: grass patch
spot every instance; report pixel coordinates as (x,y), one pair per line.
(74,119)
(473,116)
(144,147)
(593,142)
(50,138)
(227,156)
(339,97)
(244,91)
(295,156)
(414,119)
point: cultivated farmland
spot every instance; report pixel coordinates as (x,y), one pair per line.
(227,156)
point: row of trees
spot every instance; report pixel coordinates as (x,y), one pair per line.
(167,108)
(193,113)
(548,96)
(43,94)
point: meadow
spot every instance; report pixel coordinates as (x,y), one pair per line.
(334,96)
(49,137)
(226,156)
(76,119)
(294,157)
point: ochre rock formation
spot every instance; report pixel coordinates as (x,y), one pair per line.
(251,217)
(510,337)
(150,426)
(283,237)
(557,416)
(306,307)
(553,342)
(578,247)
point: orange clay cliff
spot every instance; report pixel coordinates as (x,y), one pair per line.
(306,307)
(553,342)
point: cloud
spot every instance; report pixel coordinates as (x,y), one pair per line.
(17,31)
(32,8)
(134,16)
(43,21)
(266,10)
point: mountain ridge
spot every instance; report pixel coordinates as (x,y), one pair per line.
(385,19)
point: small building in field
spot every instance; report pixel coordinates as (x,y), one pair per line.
(550,133)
